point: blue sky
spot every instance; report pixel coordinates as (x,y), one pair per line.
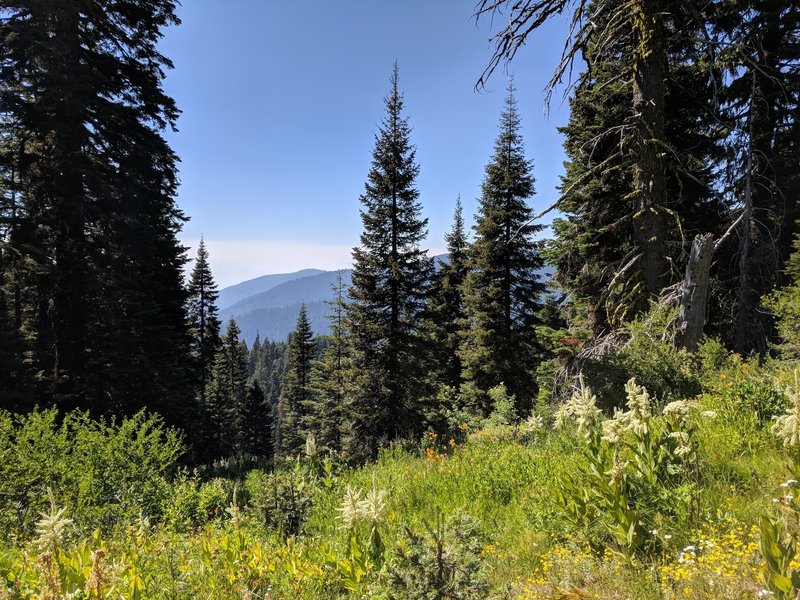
(281,101)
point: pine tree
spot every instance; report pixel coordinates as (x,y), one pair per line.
(762,103)
(596,249)
(226,394)
(502,288)
(89,188)
(329,382)
(204,323)
(447,302)
(296,398)
(256,432)
(391,277)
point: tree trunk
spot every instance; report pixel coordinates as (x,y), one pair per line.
(649,178)
(694,292)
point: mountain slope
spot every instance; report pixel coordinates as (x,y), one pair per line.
(234,293)
(272,313)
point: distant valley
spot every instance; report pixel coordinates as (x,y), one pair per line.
(268,305)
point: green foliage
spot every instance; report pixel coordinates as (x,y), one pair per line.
(502,288)
(645,351)
(443,563)
(103,473)
(280,501)
(296,401)
(391,279)
(504,411)
(226,396)
(784,304)
(637,483)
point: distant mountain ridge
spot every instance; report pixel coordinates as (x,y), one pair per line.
(268,306)
(233,293)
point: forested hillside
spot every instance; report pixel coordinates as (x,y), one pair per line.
(462,428)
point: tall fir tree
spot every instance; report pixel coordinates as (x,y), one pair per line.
(502,289)
(329,376)
(296,397)
(391,279)
(226,395)
(761,101)
(596,248)
(204,323)
(256,425)
(89,185)
(447,302)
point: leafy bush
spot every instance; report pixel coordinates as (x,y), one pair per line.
(648,353)
(280,501)
(102,472)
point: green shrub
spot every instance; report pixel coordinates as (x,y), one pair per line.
(645,352)
(102,472)
(441,564)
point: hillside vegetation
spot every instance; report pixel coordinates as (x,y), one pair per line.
(679,500)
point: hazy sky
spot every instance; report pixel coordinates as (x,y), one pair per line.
(281,101)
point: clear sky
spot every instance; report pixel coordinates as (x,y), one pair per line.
(281,101)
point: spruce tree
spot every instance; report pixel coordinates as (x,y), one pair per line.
(502,289)
(226,394)
(447,302)
(204,323)
(296,399)
(596,249)
(391,278)
(761,101)
(256,425)
(89,186)
(329,383)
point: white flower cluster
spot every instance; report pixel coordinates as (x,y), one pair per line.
(582,407)
(635,419)
(356,508)
(787,426)
(678,408)
(534,423)
(684,447)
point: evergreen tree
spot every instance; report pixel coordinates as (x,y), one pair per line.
(762,102)
(226,394)
(89,182)
(296,399)
(256,433)
(596,249)
(391,278)
(447,302)
(329,382)
(204,323)
(502,288)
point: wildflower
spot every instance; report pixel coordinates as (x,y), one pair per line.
(709,414)
(617,472)
(582,406)
(787,426)
(51,527)
(98,579)
(350,508)
(639,408)
(311,447)
(788,483)
(534,423)
(613,429)
(373,507)
(679,408)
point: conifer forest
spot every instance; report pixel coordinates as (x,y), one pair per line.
(607,407)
